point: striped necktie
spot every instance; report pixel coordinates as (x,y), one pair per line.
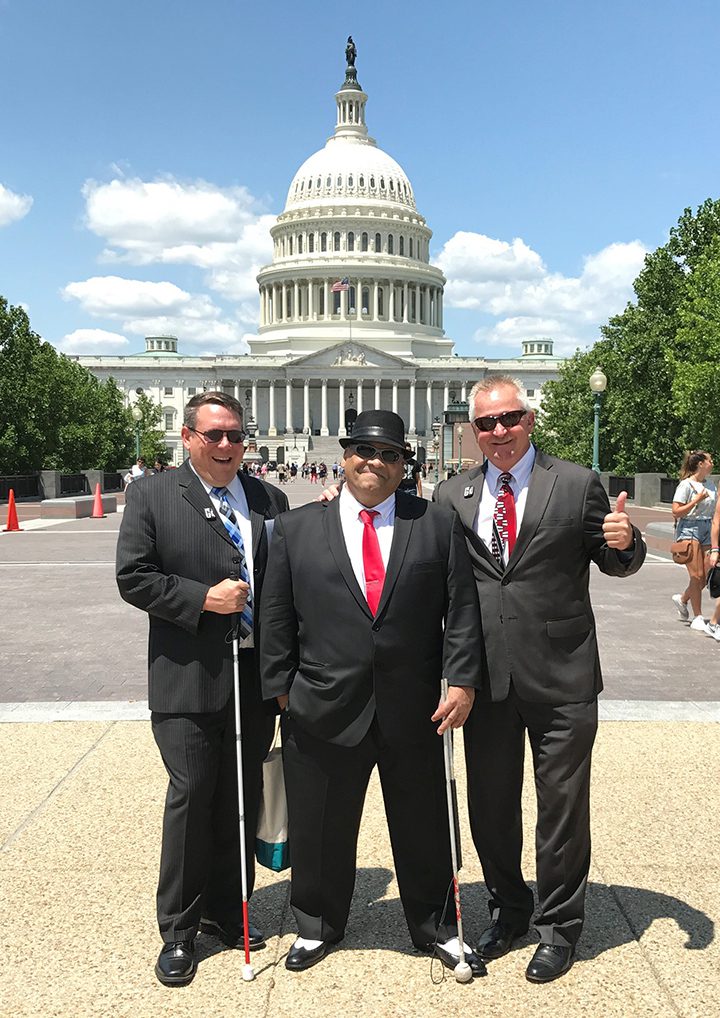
(504,520)
(231,525)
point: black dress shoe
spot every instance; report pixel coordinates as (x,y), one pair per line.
(300,958)
(176,963)
(450,960)
(549,962)
(498,939)
(231,933)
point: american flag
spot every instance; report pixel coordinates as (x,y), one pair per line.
(340,285)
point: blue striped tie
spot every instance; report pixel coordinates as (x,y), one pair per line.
(231,525)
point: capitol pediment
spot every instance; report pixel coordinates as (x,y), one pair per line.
(351,355)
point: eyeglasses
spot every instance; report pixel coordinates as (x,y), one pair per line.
(369,452)
(508,420)
(215,435)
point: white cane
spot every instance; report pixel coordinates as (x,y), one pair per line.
(247,971)
(462,971)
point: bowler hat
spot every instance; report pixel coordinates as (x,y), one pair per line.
(379,426)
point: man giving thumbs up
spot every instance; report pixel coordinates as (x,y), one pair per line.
(533,525)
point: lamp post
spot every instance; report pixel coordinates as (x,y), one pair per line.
(459,433)
(436,447)
(598,384)
(137,417)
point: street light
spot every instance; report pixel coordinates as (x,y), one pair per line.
(459,433)
(598,384)
(137,417)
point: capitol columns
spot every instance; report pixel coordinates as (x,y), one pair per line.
(288,407)
(446,395)
(323,409)
(463,392)
(394,396)
(428,408)
(236,391)
(412,430)
(359,401)
(296,302)
(272,429)
(405,302)
(306,406)
(377,393)
(341,406)
(254,410)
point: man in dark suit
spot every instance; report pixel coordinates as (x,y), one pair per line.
(368,602)
(533,526)
(192,553)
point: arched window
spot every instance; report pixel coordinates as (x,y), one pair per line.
(336,241)
(351,241)
(372,181)
(336,303)
(311,243)
(378,243)
(391,244)
(352,304)
(364,242)
(365,300)
(350,181)
(328,182)
(318,183)
(323,241)
(411,247)
(300,243)
(402,246)
(382,183)
(283,245)
(361,181)
(321,300)
(392,185)
(381,302)
(290,245)
(339,180)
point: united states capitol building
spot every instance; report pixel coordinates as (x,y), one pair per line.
(351,314)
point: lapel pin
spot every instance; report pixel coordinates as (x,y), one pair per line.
(209,514)
(469,491)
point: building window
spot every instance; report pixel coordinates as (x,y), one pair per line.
(378,243)
(364,242)
(323,241)
(391,244)
(169,390)
(300,243)
(381,302)
(336,303)
(402,246)
(361,181)
(365,299)
(350,181)
(336,241)
(311,243)
(351,242)
(321,300)
(169,420)
(372,181)
(290,245)
(328,182)
(530,393)
(351,299)
(191,390)
(411,247)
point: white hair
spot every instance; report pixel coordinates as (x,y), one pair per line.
(492,382)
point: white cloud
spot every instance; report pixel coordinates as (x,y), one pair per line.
(510,282)
(13,206)
(165,221)
(93,341)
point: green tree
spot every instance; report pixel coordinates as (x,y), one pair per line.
(53,412)
(152,439)
(655,356)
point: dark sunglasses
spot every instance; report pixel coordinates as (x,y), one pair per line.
(369,452)
(215,435)
(508,420)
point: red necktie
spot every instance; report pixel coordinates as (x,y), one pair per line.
(372,560)
(504,518)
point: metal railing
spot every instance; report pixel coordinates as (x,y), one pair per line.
(112,481)
(618,484)
(73,484)
(24,486)
(667,489)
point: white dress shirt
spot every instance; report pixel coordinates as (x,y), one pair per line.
(238,502)
(353,527)
(520,475)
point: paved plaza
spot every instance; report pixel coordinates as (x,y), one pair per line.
(80,825)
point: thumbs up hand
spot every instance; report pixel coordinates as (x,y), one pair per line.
(617,530)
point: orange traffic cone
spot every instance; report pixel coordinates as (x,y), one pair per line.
(97,513)
(12,519)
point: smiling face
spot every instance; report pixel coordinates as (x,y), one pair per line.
(216,462)
(503,446)
(372,481)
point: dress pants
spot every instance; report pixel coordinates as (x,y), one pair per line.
(561,739)
(326,786)
(200,859)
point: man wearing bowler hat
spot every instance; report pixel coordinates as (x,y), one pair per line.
(368,601)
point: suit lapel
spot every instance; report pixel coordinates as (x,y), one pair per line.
(542,482)
(199,499)
(402,529)
(336,542)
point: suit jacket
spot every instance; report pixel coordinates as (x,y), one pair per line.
(320,643)
(537,618)
(168,554)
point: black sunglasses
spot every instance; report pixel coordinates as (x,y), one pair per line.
(508,420)
(369,452)
(215,435)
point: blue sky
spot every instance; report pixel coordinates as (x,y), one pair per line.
(148,145)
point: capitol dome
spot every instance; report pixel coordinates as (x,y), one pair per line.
(351,252)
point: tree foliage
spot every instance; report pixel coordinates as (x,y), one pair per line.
(152,439)
(53,413)
(661,358)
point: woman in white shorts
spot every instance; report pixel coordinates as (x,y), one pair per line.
(693,508)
